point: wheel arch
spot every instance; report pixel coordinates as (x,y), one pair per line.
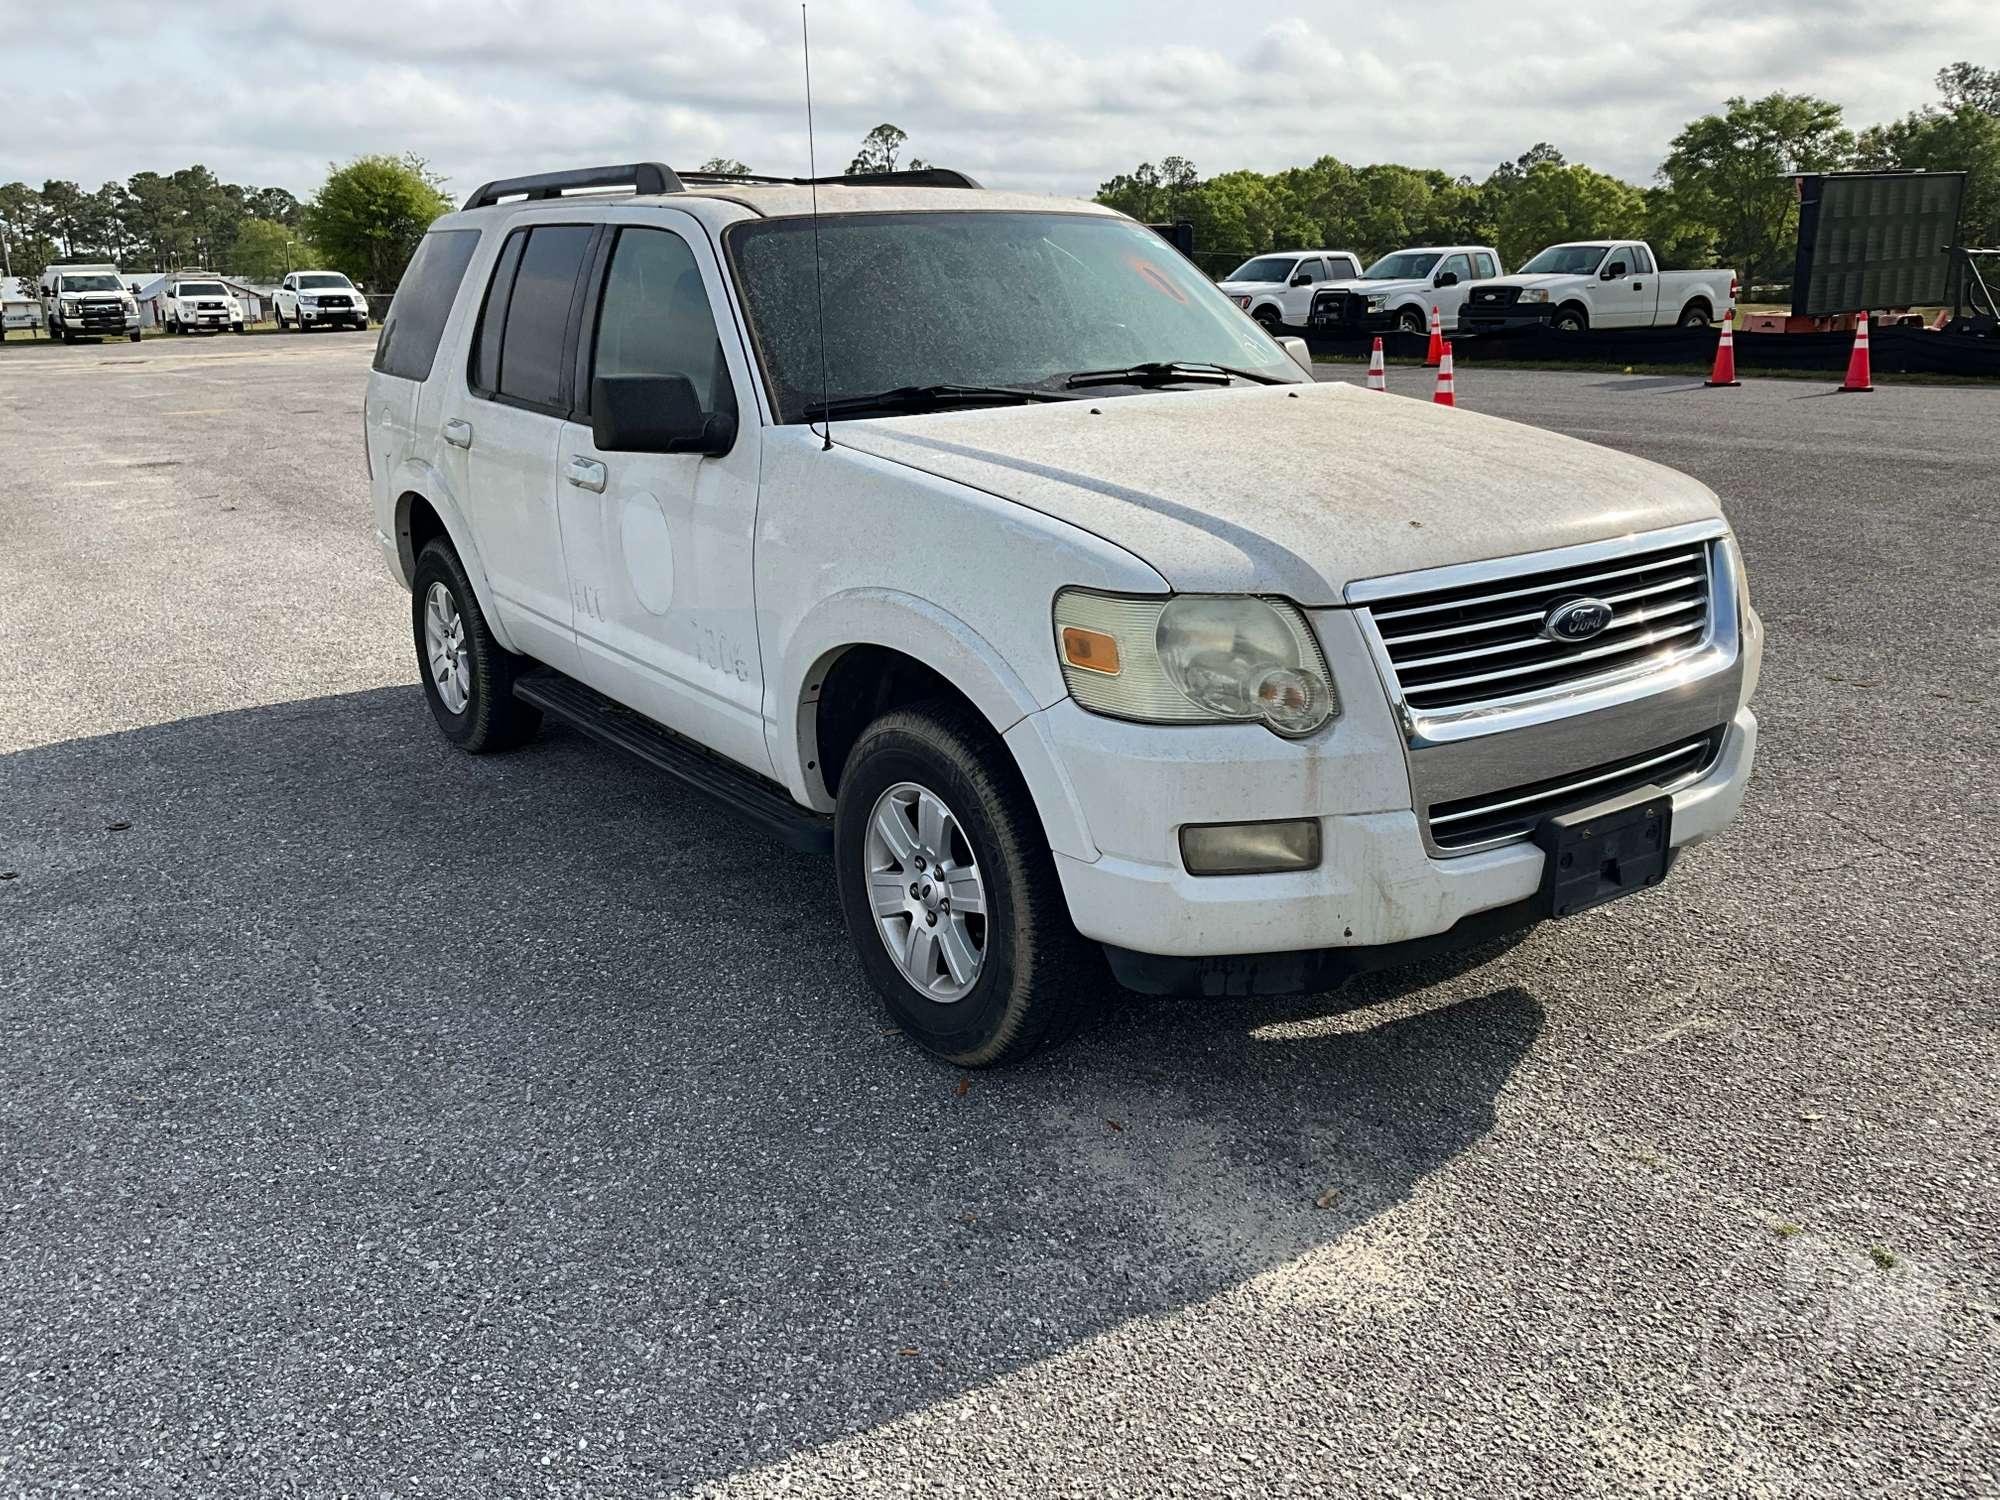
(423,510)
(1575,305)
(1700,300)
(862,653)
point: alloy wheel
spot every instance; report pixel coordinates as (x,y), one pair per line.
(925,891)
(444,646)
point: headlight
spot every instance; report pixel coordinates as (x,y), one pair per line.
(69,307)
(1376,304)
(1535,294)
(1194,659)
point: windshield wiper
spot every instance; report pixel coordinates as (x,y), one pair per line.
(914,398)
(1165,371)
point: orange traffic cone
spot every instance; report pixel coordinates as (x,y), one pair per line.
(1378,378)
(1445,395)
(1857,362)
(1436,351)
(1725,353)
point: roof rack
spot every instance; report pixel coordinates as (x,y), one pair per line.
(640,176)
(649,177)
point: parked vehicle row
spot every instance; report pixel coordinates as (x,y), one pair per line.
(1570,287)
(1059,605)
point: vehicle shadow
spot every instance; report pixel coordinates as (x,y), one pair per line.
(384,1111)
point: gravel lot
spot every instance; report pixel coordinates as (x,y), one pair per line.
(376,1120)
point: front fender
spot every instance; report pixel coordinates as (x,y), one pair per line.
(941,641)
(416,480)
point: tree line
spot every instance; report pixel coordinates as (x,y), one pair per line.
(1723,195)
(365,220)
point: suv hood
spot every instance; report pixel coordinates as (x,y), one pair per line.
(1296,490)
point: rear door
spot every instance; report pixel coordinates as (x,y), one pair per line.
(502,423)
(659,544)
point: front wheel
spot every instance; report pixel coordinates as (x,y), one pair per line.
(468,675)
(133,335)
(1412,320)
(950,893)
(1570,320)
(1268,320)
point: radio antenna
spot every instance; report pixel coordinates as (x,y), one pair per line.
(819,284)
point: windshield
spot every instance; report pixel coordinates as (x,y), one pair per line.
(1265,268)
(1404,265)
(323,279)
(988,299)
(200,289)
(1565,260)
(90,284)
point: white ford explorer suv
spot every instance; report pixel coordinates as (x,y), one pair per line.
(1057,604)
(319,299)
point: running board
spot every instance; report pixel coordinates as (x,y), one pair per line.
(754,797)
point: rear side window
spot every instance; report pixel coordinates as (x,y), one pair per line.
(530,366)
(1642,261)
(484,374)
(416,318)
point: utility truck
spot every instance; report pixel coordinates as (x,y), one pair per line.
(1588,284)
(88,301)
(974,541)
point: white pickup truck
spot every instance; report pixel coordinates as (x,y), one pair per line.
(1277,289)
(193,303)
(1401,288)
(88,301)
(1058,605)
(1588,284)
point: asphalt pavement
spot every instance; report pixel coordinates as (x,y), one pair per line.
(381,1121)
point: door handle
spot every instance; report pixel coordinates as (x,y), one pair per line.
(585,474)
(458,433)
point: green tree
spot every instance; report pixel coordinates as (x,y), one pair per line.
(62,208)
(879,153)
(1963,83)
(369,215)
(266,249)
(274,204)
(1733,171)
(728,165)
(1551,203)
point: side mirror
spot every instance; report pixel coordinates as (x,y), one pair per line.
(1613,271)
(1301,355)
(1304,278)
(1447,278)
(655,414)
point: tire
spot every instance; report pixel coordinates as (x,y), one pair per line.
(1695,315)
(1570,320)
(1412,320)
(133,335)
(1269,319)
(1034,976)
(489,717)
(235,327)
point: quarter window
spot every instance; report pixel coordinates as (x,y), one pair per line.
(1642,261)
(655,318)
(416,319)
(1486,264)
(485,367)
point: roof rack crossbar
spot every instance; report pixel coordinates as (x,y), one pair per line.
(945,177)
(640,176)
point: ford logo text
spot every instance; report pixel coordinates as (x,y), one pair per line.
(1577,620)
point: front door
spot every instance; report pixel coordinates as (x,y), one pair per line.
(503,433)
(1448,296)
(659,544)
(1627,299)
(1297,300)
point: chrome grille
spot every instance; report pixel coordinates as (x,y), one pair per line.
(1494,817)
(1484,642)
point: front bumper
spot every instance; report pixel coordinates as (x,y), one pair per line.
(1504,320)
(1377,898)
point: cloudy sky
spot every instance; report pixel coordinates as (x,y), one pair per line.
(1052,94)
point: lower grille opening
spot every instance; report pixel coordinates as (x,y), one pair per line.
(1513,812)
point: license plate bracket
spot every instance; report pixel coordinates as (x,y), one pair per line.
(1610,849)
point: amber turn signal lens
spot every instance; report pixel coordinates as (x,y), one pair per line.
(1092,650)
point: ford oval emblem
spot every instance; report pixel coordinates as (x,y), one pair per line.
(1577,620)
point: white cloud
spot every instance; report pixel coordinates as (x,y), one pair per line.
(1021,94)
